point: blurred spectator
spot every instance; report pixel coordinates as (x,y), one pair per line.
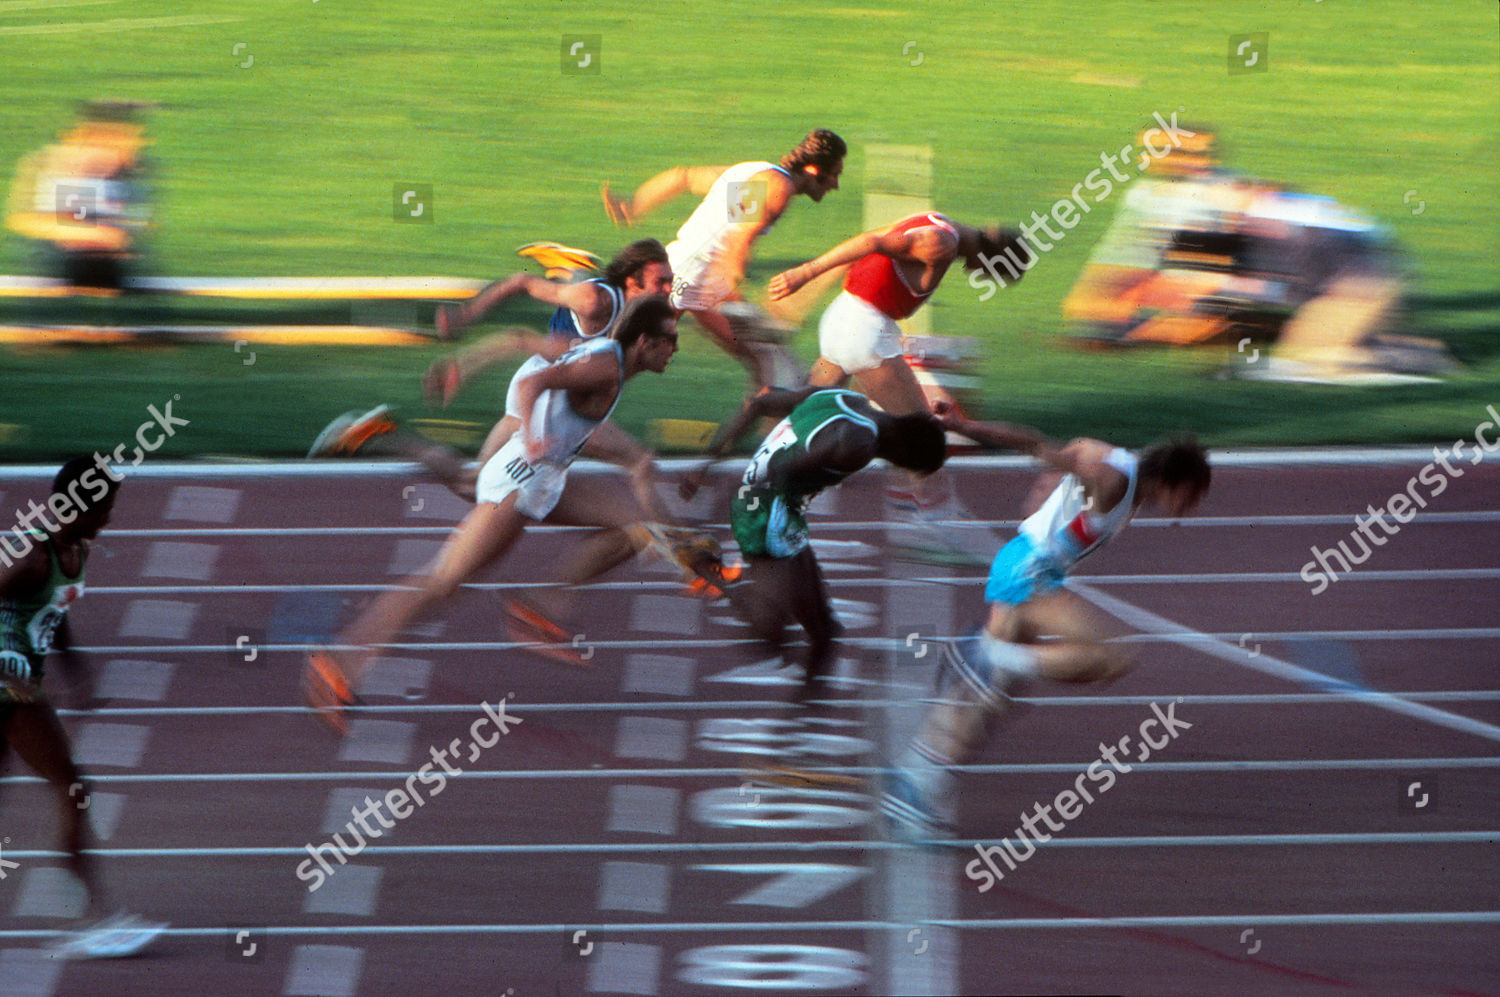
(1199,254)
(83,196)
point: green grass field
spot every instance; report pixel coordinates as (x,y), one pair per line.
(285,166)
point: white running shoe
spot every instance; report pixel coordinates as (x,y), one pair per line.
(113,937)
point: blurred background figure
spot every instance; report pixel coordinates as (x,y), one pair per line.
(1198,254)
(83,197)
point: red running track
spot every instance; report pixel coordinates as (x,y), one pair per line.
(1326,825)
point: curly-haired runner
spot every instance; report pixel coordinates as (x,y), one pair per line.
(740,204)
(41,577)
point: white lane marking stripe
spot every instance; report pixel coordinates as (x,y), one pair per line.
(1211,578)
(1352,456)
(1210,640)
(1249,765)
(692,927)
(1224,650)
(761,705)
(856,526)
(1142,841)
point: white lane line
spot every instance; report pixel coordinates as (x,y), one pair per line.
(761,705)
(1303,840)
(865,643)
(1224,650)
(323,971)
(1415,455)
(855,526)
(1007,924)
(648,585)
(1160,768)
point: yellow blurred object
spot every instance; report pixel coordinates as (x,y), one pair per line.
(681,434)
(560,262)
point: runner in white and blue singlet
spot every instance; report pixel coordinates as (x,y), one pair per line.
(1037,628)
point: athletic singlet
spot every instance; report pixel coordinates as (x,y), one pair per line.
(553,418)
(767,513)
(565,321)
(1062,531)
(706,232)
(27,626)
(876,280)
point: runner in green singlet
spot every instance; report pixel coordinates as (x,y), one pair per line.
(41,575)
(825,436)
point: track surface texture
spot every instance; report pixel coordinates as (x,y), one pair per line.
(1323,820)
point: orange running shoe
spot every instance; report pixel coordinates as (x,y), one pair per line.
(326,689)
(345,435)
(539,635)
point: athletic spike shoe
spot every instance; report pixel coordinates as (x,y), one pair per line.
(910,816)
(561,262)
(539,635)
(326,689)
(345,435)
(115,937)
(696,553)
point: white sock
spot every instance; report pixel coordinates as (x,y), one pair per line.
(1015,661)
(927,769)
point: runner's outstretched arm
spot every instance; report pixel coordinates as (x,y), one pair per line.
(775,402)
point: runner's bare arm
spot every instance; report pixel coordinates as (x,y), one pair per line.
(998,435)
(883,240)
(773,402)
(583,297)
(610,442)
(591,373)
(1085,459)
(664,187)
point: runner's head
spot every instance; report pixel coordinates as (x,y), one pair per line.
(915,442)
(640,268)
(992,244)
(816,163)
(647,333)
(83,495)
(1174,474)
